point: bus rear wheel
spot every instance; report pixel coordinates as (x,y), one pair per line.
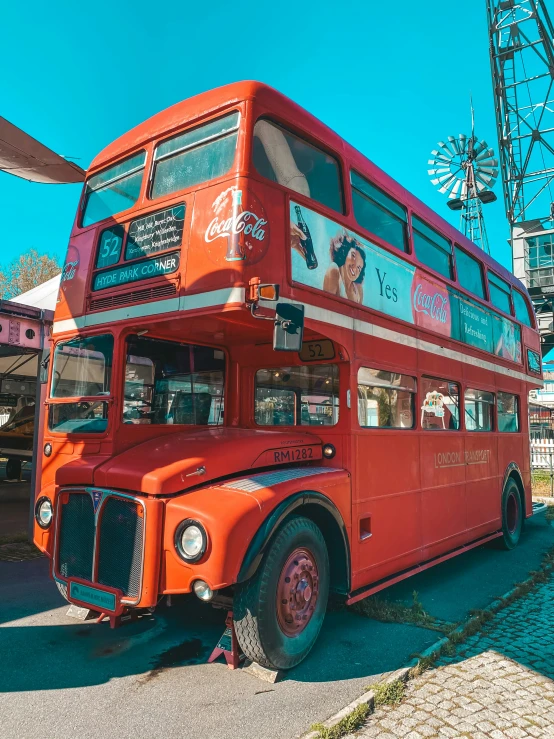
(512,515)
(278,612)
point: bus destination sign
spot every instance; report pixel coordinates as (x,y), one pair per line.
(155,232)
(143,270)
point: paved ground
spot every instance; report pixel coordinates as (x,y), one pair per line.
(500,684)
(60,677)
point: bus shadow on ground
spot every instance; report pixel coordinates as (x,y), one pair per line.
(63,653)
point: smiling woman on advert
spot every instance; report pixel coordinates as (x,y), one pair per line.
(345,275)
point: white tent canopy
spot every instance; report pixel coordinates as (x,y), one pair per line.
(43,296)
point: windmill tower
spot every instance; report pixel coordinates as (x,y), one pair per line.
(465,169)
(522,63)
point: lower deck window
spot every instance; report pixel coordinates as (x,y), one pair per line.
(507,412)
(84,417)
(385,399)
(440,407)
(297,396)
(171,383)
(478,410)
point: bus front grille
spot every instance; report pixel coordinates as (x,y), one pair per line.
(118,531)
(120,546)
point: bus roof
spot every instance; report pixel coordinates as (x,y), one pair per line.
(174,117)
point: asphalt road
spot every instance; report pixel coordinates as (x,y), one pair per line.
(64,678)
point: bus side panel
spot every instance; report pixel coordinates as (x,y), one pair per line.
(443,496)
(387,516)
(482,483)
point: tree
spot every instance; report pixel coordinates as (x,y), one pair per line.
(26,272)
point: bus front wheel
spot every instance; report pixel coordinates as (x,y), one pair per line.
(278,612)
(512,515)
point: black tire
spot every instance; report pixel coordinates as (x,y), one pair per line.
(512,515)
(13,469)
(255,606)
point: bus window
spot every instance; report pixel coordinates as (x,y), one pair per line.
(297,396)
(81,367)
(285,158)
(478,410)
(521,308)
(113,190)
(500,293)
(170,383)
(385,399)
(440,407)
(507,412)
(432,249)
(470,273)
(380,214)
(195,156)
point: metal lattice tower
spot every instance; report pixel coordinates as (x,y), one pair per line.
(522,61)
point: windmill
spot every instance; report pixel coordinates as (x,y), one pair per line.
(465,169)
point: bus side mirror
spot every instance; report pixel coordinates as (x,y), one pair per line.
(289,327)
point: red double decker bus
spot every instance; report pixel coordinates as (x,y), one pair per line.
(275,374)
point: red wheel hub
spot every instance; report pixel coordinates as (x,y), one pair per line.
(297,592)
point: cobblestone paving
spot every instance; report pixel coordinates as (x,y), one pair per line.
(499,685)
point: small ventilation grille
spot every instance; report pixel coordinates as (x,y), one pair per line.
(135,296)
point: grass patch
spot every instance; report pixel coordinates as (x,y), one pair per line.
(541,482)
(396,612)
(549,514)
(18,538)
(345,726)
(388,694)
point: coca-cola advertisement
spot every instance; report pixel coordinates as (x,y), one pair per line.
(431,305)
(238,230)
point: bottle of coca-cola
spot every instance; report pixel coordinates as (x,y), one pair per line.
(307,243)
(236,246)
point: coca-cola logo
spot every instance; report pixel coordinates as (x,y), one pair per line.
(238,230)
(435,305)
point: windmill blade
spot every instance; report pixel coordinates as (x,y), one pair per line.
(479,147)
(487,170)
(463,143)
(455,144)
(25,157)
(456,189)
(446,186)
(487,163)
(451,153)
(485,154)
(438,171)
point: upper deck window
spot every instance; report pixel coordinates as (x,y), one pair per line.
(113,190)
(195,156)
(521,308)
(379,213)
(500,293)
(470,273)
(432,249)
(285,158)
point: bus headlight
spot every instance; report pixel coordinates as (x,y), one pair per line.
(191,540)
(44,512)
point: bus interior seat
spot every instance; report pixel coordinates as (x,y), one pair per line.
(191,408)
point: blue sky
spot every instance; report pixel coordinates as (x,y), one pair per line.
(391,78)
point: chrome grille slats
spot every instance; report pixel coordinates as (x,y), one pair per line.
(120,546)
(76,537)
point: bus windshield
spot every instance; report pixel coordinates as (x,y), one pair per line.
(170,383)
